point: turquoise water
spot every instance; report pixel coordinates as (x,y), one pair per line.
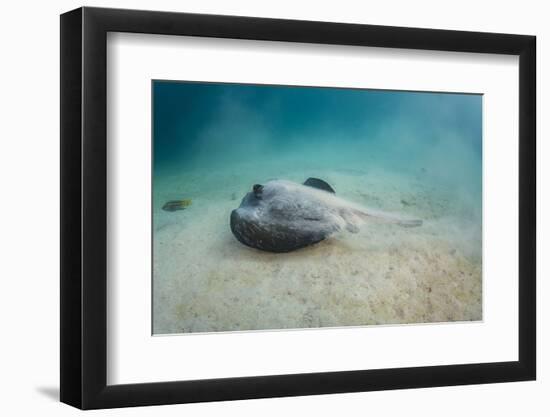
(198,125)
(413,153)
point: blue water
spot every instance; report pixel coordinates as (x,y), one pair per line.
(201,124)
(414,153)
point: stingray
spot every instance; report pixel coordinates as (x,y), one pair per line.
(282,216)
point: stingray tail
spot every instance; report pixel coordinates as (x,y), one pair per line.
(388,218)
(410,222)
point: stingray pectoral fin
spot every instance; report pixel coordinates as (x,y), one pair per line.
(352,228)
(352,219)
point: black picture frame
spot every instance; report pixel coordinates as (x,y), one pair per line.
(84,207)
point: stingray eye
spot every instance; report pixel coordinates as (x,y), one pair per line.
(257,190)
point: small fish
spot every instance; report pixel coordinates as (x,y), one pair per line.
(176,205)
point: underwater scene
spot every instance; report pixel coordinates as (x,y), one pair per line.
(290,207)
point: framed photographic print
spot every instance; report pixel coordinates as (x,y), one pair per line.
(258,207)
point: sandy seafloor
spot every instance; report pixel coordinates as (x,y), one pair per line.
(204,280)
